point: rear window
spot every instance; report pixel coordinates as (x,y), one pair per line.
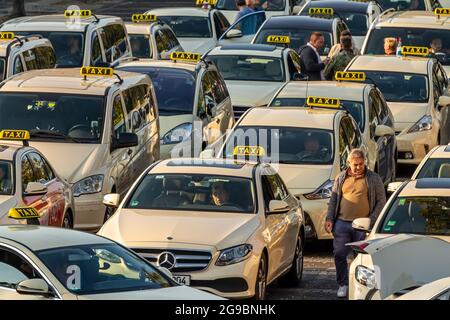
(435,168)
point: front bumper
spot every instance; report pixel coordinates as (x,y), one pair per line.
(316,210)
(413,147)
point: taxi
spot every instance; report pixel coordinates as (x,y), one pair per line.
(43,263)
(79,37)
(436,164)
(419,207)
(299,29)
(193,102)
(366,105)
(414,88)
(99,129)
(270,7)
(229,227)
(28,181)
(19,54)
(308,147)
(248,67)
(413,28)
(357,15)
(408,5)
(151,38)
(197,29)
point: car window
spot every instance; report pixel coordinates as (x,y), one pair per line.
(437,89)
(223,22)
(141,46)
(14,269)
(6,178)
(137,104)
(435,168)
(443,296)
(217,88)
(189,26)
(30,59)
(48,170)
(27,173)
(46,58)
(39,168)
(96,54)
(18,65)
(118,117)
(114,40)
(2,69)
(350,132)
(344,148)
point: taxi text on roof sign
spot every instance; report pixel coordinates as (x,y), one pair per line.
(249,151)
(6,35)
(415,51)
(442,11)
(23,213)
(143,17)
(185,56)
(279,39)
(14,135)
(352,76)
(321,11)
(323,102)
(96,71)
(77,13)
(202,2)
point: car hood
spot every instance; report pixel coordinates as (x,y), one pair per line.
(6,203)
(218,229)
(239,92)
(74,161)
(198,45)
(304,178)
(406,114)
(172,293)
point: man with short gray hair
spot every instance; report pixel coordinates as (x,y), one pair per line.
(357,193)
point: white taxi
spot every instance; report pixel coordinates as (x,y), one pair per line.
(414,88)
(229,227)
(270,7)
(436,164)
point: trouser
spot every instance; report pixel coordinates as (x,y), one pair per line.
(343,233)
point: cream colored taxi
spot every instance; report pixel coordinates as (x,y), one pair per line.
(151,38)
(308,147)
(420,207)
(436,164)
(229,227)
(193,102)
(19,54)
(414,88)
(98,129)
(366,105)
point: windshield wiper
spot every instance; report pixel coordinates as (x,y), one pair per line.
(8,285)
(53,134)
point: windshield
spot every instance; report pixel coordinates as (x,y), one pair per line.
(69,46)
(140,45)
(101,268)
(402,5)
(418,215)
(357,23)
(272,5)
(196,192)
(189,27)
(298,37)
(355,108)
(249,68)
(399,86)
(436,39)
(2,69)
(284,144)
(435,168)
(6,177)
(54,116)
(174,88)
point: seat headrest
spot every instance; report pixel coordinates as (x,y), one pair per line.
(444,171)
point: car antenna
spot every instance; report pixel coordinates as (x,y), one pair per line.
(118,77)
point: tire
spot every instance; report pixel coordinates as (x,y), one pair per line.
(261,279)
(67,222)
(295,274)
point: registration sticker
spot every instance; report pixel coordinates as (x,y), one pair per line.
(350,76)
(134,203)
(321,11)
(6,35)
(415,51)
(387,229)
(391,223)
(323,102)
(279,39)
(249,151)
(401,202)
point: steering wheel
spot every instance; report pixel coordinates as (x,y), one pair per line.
(84,127)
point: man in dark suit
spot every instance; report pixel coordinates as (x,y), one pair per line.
(311,63)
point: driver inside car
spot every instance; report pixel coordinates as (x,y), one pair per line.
(220,194)
(73,52)
(312,148)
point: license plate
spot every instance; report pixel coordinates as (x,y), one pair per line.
(183,280)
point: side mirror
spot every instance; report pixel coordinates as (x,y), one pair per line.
(444,101)
(33,286)
(300,77)
(382,130)
(125,140)
(393,186)
(111,200)
(361,224)
(35,189)
(166,272)
(207,154)
(233,33)
(278,207)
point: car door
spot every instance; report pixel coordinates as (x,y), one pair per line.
(232,36)
(221,23)
(97,52)
(293,64)
(344,146)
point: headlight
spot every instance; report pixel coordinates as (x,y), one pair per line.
(92,184)
(366,277)
(177,134)
(425,123)
(234,255)
(323,192)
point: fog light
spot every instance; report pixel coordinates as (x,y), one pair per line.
(408,155)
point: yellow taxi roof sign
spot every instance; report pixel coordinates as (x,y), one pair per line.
(442,11)
(313,101)
(77,13)
(278,39)
(20,135)
(96,71)
(255,151)
(143,17)
(6,35)
(350,76)
(185,56)
(415,51)
(321,11)
(23,213)
(202,2)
